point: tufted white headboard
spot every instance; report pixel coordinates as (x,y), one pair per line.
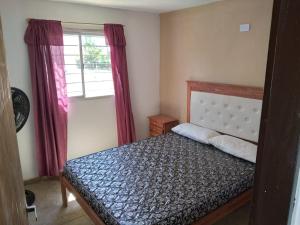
(229,109)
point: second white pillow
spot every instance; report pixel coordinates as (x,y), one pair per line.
(235,146)
(194,132)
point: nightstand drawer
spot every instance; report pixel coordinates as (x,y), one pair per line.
(161,124)
(155,123)
(154,128)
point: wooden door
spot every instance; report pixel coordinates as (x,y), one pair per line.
(12,199)
(280,124)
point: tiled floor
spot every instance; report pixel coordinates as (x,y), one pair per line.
(50,212)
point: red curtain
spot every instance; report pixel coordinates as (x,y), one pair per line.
(50,103)
(115,37)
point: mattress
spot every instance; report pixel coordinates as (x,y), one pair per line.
(168,179)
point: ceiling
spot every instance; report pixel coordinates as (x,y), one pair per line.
(154,6)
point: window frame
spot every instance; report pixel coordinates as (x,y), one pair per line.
(80,32)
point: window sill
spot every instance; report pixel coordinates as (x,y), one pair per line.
(82,98)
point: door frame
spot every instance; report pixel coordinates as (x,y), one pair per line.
(280,122)
(12,195)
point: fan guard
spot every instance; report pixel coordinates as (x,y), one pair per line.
(21,107)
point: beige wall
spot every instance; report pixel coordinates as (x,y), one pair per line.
(204,44)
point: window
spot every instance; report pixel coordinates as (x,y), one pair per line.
(87,65)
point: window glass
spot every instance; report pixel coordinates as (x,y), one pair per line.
(87,66)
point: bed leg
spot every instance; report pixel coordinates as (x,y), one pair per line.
(63,192)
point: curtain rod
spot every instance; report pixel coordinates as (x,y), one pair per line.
(96,24)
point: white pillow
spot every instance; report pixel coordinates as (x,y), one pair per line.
(194,132)
(235,146)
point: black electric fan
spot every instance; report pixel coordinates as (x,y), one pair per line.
(21,107)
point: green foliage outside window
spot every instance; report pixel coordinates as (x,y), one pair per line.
(94,57)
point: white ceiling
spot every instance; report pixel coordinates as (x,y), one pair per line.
(154,6)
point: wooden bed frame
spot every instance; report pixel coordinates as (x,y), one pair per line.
(219,213)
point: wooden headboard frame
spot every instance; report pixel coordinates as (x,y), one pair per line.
(223,89)
(254,93)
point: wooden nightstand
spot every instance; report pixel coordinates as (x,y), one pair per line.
(161,124)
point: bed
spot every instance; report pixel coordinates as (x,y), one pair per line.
(171,179)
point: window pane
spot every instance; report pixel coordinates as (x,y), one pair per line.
(75,94)
(73,59)
(71,39)
(95,39)
(93,54)
(73,78)
(74,89)
(97,66)
(73,65)
(97,76)
(98,83)
(71,50)
(72,69)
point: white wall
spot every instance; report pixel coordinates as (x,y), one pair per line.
(92,124)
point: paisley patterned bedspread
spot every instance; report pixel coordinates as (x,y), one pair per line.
(163,180)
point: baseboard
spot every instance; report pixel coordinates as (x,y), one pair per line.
(38,179)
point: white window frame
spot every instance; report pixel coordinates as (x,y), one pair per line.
(81,32)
